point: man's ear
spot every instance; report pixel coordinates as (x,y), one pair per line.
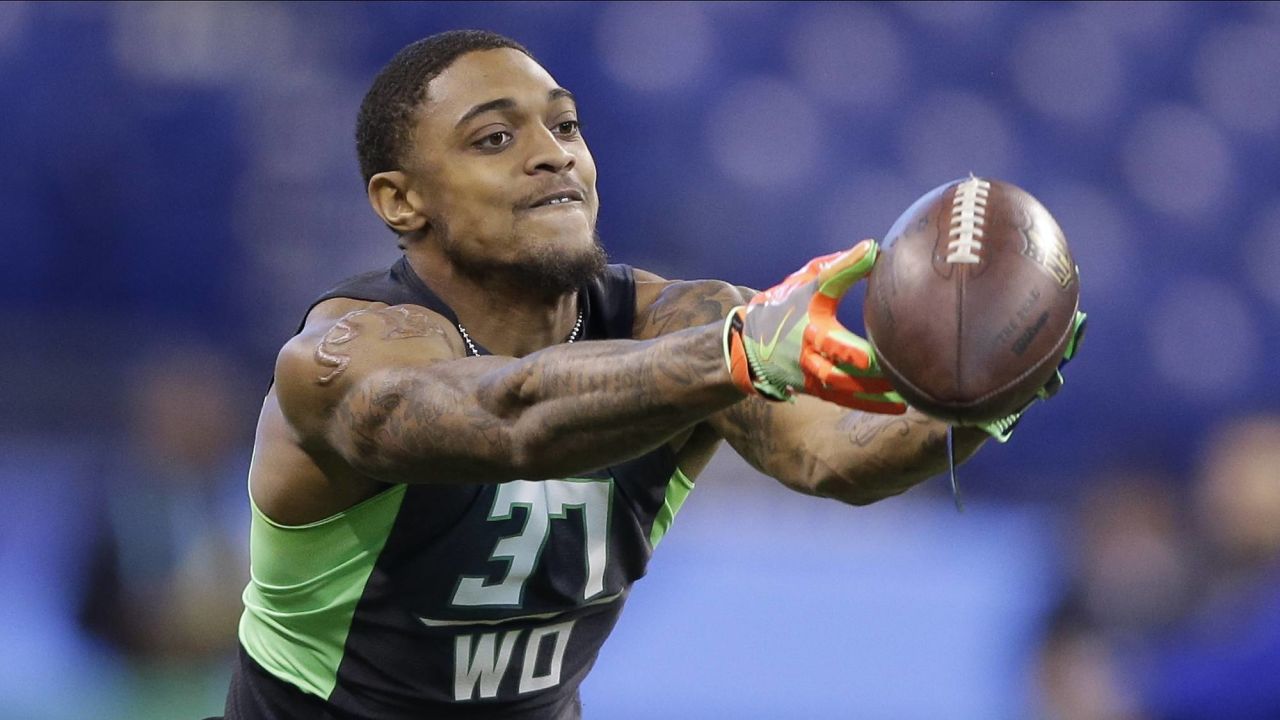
(401,208)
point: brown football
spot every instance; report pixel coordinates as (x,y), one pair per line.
(970,305)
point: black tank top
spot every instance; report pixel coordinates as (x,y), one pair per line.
(452,601)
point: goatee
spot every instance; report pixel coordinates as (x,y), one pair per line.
(546,271)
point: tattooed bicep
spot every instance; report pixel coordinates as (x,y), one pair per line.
(684,304)
(318,365)
(334,349)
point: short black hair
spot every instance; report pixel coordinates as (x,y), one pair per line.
(386,114)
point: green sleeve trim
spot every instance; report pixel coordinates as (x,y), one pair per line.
(678,488)
(304,583)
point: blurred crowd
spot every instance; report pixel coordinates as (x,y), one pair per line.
(130,555)
(1173,606)
(170,549)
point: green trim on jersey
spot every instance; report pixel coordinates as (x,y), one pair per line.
(678,488)
(304,582)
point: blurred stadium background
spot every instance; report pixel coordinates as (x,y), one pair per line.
(179,180)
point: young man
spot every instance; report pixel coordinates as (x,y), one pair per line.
(466,460)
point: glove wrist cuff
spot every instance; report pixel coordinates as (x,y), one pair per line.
(1001,430)
(742,367)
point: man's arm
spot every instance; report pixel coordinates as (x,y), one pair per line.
(821,449)
(812,446)
(384,390)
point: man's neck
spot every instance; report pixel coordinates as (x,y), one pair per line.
(505,318)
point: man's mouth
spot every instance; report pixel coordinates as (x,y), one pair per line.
(559,197)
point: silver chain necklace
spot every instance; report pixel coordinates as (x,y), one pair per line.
(466,337)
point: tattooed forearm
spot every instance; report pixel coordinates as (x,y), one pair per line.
(566,409)
(865,429)
(751,428)
(884,455)
(398,322)
(821,449)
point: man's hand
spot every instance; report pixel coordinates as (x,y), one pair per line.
(1002,429)
(787,339)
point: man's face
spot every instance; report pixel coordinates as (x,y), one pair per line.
(509,183)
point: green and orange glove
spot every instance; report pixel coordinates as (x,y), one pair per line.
(1002,429)
(787,339)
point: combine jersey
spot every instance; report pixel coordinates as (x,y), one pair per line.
(452,601)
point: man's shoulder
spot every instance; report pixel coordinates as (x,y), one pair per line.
(665,306)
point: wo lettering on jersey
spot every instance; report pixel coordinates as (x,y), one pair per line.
(482,660)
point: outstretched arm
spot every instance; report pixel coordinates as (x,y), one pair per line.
(818,448)
(383,390)
(812,446)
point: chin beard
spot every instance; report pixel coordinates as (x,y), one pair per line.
(546,271)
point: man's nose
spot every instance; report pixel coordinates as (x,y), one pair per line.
(548,154)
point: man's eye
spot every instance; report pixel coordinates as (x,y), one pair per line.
(494,140)
(568,127)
